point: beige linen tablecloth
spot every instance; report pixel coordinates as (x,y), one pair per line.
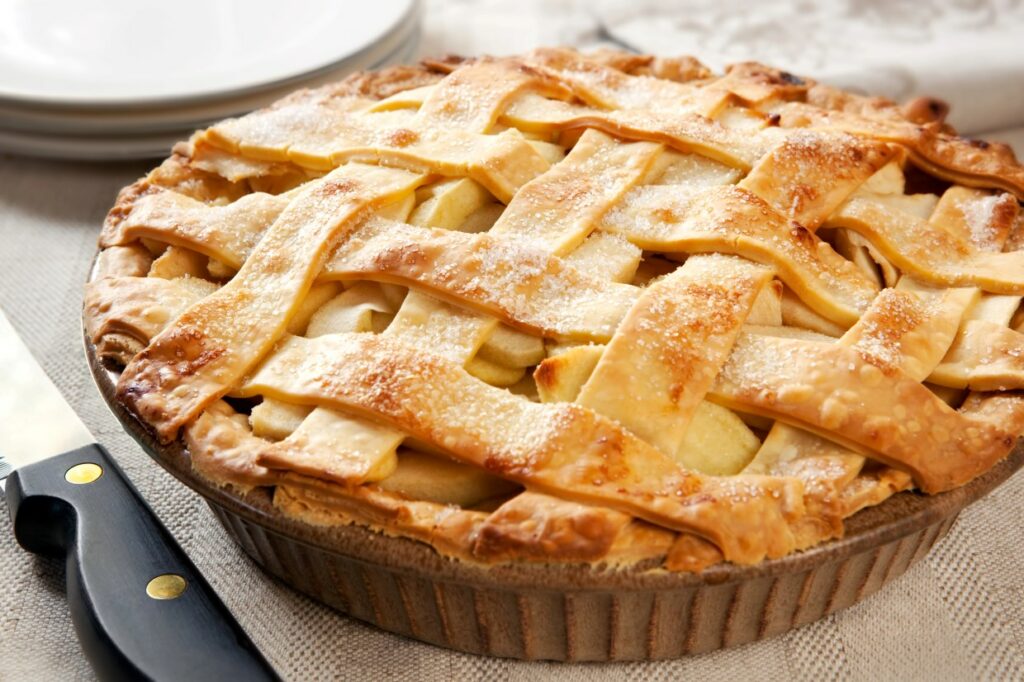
(959,614)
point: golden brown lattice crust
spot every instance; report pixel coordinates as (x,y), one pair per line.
(601,309)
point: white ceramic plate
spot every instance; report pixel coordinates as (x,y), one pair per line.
(62,120)
(112,53)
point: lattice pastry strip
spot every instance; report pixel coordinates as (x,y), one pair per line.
(928,252)
(987,355)
(806,384)
(227,233)
(667,352)
(945,156)
(785,174)
(986,352)
(907,330)
(559,209)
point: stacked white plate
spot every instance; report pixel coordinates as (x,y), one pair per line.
(120,79)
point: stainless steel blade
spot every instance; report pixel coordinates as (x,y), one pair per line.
(35,420)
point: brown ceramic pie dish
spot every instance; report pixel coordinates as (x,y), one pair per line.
(570,613)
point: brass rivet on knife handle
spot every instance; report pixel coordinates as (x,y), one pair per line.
(80,474)
(166,586)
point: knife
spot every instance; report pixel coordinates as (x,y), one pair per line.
(140,607)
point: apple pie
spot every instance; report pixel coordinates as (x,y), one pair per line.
(588,308)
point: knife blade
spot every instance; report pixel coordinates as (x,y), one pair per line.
(140,607)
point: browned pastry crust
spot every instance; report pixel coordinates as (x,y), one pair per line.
(445,301)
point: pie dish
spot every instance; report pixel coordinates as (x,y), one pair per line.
(605,312)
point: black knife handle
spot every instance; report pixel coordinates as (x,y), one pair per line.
(114,546)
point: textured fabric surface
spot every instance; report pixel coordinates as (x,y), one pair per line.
(959,614)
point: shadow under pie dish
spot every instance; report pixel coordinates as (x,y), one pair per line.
(574,356)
